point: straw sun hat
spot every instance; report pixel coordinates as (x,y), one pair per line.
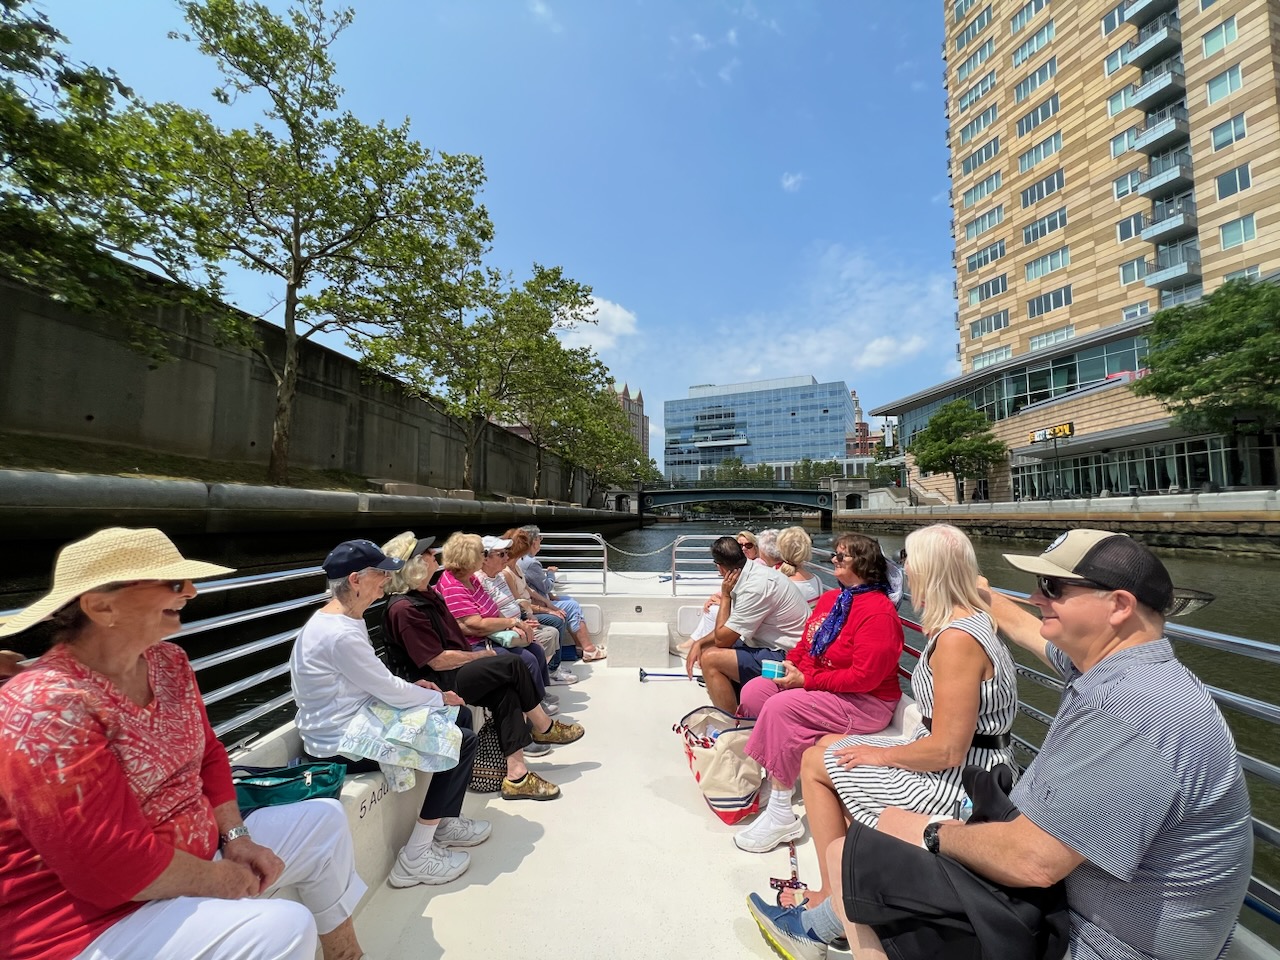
(115,555)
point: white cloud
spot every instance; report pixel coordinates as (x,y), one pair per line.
(543,13)
(749,12)
(942,196)
(791,182)
(613,323)
(726,72)
(731,38)
(699,42)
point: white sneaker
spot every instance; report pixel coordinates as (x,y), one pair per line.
(549,708)
(765,834)
(551,698)
(437,865)
(462,832)
(564,677)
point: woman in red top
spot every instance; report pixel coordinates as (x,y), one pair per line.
(842,677)
(115,795)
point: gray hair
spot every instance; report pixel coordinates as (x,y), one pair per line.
(532,530)
(340,589)
(767,543)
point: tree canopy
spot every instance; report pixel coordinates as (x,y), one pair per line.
(1215,364)
(958,441)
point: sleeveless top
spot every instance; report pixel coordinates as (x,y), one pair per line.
(998,697)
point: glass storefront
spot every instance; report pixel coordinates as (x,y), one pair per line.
(1205,464)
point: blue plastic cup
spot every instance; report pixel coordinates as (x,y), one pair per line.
(772,670)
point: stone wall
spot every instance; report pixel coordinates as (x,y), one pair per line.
(66,375)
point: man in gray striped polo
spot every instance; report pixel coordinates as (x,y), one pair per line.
(1137,798)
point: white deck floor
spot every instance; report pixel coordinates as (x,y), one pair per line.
(628,862)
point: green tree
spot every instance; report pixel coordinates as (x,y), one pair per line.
(331,208)
(958,441)
(595,436)
(1216,364)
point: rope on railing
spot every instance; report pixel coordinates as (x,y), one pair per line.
(628,553)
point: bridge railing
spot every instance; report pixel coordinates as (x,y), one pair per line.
(736,485)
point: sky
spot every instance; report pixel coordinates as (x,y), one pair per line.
(753,190)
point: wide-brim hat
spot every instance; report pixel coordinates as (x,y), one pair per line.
(114,555)
(1115,561)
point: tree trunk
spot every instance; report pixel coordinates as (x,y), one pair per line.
(537,470)
(286,389)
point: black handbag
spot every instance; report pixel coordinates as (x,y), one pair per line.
(258,787)
(490,767)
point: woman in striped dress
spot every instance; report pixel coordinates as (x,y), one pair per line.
(965,687)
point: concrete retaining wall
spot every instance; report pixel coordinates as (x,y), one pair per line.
(65,375)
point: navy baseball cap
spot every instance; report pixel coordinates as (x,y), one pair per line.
(352,556)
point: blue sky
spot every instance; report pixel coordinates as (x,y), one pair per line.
(753,190)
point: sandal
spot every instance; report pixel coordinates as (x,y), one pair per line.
(598,653)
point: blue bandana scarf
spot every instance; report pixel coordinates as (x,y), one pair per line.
(831,627)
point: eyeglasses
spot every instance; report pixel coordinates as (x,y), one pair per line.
(1052,587)
(840,557)
(497,553)
(175,585)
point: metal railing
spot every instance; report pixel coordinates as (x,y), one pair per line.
(1167,259)
(1163,210)
(1165,21)
(1172,65)
(1174,111)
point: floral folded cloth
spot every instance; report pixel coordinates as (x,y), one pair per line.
(416,738)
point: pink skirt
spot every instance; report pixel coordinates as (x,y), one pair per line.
(789,722)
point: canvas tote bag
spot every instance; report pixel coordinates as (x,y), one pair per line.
(715,746)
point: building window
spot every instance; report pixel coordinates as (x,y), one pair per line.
(1184,294)
(1117,58)
(981,224)
(977,91)
(975,27)
(1114,17)
(1045,225)
(988,357)
(980,190)
(985,256)
(1045,148)
(980,156)
(978,124)
(1224,84)
(988,324)
(1050,262)
(1123,142)
(985,291)
(1131,271)
(1119,100)
(1136,311)
(1227,133)
(1038,116)
(1024,52)
(1053,300)
(1129,227)
(962,7)
(1233,181)
(1042,340)
(1236,232)
(1123,186)
(1024,15)
(1217,38)
(1038,191)
(1043,74)
(975,60)
(1248,273)
(1204,4)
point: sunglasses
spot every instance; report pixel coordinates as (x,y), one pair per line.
(497,553)
(1052,587)
(747,546)
(840,557)
(174,585)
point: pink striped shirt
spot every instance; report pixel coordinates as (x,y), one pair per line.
(466,599)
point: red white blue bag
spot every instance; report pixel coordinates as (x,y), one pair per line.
(715,746)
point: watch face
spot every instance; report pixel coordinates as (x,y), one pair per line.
(931,837)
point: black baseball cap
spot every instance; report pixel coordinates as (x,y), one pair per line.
(352,556)
(422,546)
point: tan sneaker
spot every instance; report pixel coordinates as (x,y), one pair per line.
(560,733)
(532,787)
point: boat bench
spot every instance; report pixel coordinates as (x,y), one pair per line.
(380,820)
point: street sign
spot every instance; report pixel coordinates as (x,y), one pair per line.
(1059,432)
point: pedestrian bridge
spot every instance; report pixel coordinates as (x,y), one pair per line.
(666,494)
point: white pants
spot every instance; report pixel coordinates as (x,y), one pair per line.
(314,842)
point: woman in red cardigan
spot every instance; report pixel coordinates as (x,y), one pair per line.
(842,677)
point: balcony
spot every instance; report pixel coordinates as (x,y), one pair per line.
(1156,41)
(1162,82)
(1168,221)
(1173,269)
(1163,129)
(1167,175)
(1140,11)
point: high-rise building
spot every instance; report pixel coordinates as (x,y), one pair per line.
(773,422)
(858,444)
(633,407)
(1107,160)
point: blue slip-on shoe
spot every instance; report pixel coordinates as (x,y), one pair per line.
(784,930)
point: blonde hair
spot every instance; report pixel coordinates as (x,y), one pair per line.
(410,576)
(794,549)
(748,536)
(462,551)
(943,572)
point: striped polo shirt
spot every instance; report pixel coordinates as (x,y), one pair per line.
(1139,775)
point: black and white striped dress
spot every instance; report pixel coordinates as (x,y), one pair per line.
(866,791)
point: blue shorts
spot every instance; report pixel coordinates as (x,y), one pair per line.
(750,659)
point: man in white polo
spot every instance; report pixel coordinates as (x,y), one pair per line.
(761,616)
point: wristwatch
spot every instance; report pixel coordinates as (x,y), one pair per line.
(235,833)
(931,836)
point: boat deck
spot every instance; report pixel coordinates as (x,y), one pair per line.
(628,862)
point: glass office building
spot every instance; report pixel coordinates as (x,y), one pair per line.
(775,422)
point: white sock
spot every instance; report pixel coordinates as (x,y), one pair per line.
(779,808)
(420,840)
